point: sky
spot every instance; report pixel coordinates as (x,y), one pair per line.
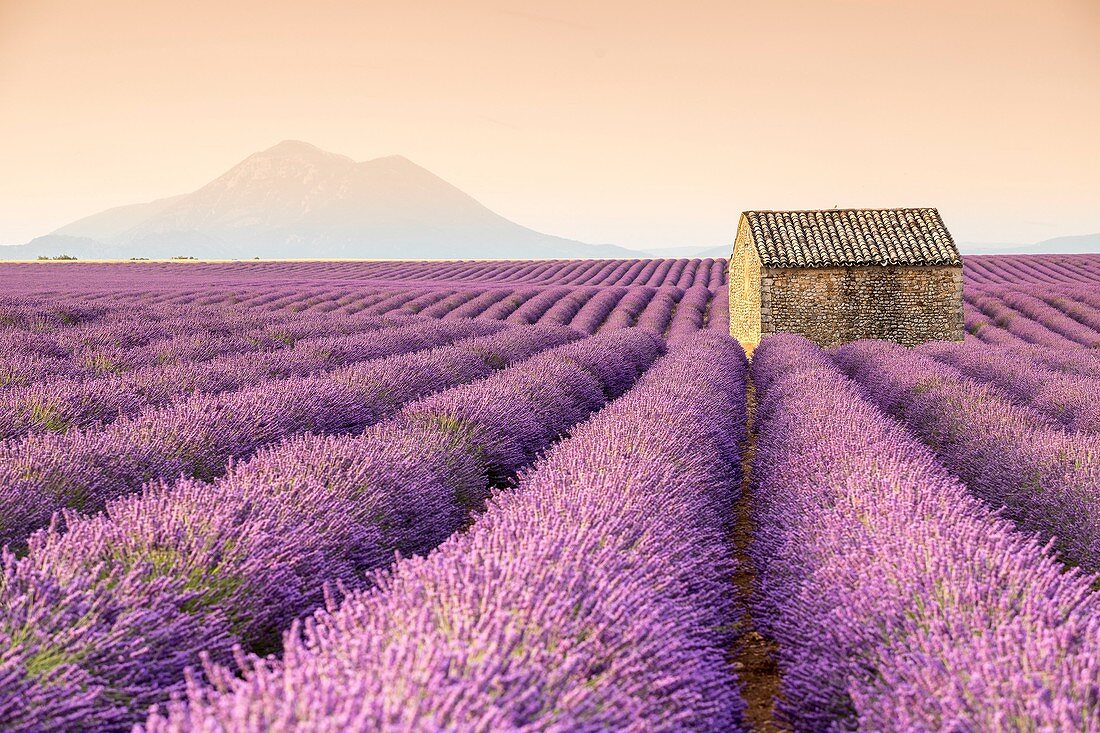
(638,124)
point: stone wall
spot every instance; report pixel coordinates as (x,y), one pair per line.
(909,305)
(744,290)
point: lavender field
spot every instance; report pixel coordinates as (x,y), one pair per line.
(539,496)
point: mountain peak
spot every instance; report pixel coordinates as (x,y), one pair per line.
(291,146)
(297,150)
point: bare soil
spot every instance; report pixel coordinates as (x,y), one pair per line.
(753,655)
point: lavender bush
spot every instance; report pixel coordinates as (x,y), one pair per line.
(61,405)
(899,601)
(1048,480)
(1070,399)
(596,596)
(236,562)
(81,470)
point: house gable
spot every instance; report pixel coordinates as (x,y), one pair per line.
(745,272)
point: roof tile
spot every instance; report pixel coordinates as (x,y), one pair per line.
(852,237)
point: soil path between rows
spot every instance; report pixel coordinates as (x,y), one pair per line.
(753,656)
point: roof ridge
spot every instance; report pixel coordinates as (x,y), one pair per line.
(827,211)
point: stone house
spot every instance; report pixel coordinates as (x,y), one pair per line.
(845,274)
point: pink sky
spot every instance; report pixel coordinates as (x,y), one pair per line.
(641,124)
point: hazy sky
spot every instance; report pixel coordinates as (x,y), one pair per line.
(636,123)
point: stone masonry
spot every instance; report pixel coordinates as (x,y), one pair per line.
(835,305)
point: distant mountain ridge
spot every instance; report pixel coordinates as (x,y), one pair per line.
(295,200)
(1077,244)
(113,222)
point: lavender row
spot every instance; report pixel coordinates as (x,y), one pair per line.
(197,437)
(629,308)
(596,596)
(583,306)
(502,309)
(1009,455)
(19,370)
(1077,362)
(43,314)
(597,309)
(121,328)
(1032,269)
(1019,325)
(587,309)
(204,568)
(658,311)
(690,314)
(25,366)
(899,601)
(166,277)
(60,405)
(981,271)
(1069,399)
(478,304)
(718,317)
(280,335)
(566,309)
(978,326)
(1076,307)
(532,309)
(1050,317)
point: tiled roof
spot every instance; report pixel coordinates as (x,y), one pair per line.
(852,237)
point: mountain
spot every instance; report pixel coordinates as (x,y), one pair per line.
(297,201)
(674,252)
(991,248)
(722,250)
(1078,244)
(1069,245)
(113,222)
